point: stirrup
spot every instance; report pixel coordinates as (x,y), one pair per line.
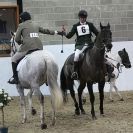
(74,75)
(12,81)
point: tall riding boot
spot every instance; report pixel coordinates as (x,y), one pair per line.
(75,73)
(14,79)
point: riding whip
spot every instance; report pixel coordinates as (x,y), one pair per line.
(63,29)
(62,45)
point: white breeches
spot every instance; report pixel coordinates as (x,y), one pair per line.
(78,52)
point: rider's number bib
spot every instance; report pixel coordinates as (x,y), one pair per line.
(34,35)
(83,30)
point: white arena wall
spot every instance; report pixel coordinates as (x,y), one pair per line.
(124,83)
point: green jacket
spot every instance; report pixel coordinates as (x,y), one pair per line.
(28,33)
(83,33)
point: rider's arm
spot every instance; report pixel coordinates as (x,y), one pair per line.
(18,35)
(46,31)
(71,33)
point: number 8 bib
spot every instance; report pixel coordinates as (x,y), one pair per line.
(83,30)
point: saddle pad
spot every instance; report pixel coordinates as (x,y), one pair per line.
(23,61)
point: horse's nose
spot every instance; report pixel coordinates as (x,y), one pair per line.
(128,66)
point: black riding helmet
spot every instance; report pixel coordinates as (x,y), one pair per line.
(25,16)
(83,13)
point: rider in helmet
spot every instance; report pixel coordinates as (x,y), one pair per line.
(83,30)
(28,36)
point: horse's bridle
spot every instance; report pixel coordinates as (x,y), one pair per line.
(14,48)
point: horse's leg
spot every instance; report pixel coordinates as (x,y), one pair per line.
(72,93)
(32,110)
(54,113)
(116,89)
(80,91)
(92,99)
(22,102)
(110,91)
(41,99)
(101,93)
(83,98)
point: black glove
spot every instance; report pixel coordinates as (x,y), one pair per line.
(62,33)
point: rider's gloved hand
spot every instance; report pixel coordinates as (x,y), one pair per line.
(62,33)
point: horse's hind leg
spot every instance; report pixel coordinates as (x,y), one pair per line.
(101,93)
(22,103)
(92,99)
(41,99)
(32,110)
(110,91)
(116,89)
(80,91)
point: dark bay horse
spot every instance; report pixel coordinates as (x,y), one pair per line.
(92,70)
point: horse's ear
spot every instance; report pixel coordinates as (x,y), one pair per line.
(108,25)
(12,34)
(101,27)
(124,50)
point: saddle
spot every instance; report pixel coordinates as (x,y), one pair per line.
(23,59)
(81,56)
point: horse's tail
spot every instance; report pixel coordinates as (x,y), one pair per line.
(63,84)
(56,93)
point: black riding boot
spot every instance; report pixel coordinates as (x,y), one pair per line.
(14,79)
(109,71)
(75,73)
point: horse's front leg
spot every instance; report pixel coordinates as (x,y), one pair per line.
(101,93)
(41,99)
(80,91)
(72,92)
(22,103)
(32,110)
(92,99)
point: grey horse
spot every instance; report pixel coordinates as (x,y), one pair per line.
(34,70)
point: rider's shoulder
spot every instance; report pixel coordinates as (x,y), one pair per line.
(89,23)
(75,25)
(25,23)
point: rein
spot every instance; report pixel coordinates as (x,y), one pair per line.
(13,46)
(117,66)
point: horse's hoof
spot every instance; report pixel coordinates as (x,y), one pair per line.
(53,121)
(94,118)
(43,126)
(77,112)
(121,99)
(103,115)
(33,111)
(23,121)
(111,100)
(83,112)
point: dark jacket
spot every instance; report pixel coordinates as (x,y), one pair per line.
(28,32)
(83,33)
